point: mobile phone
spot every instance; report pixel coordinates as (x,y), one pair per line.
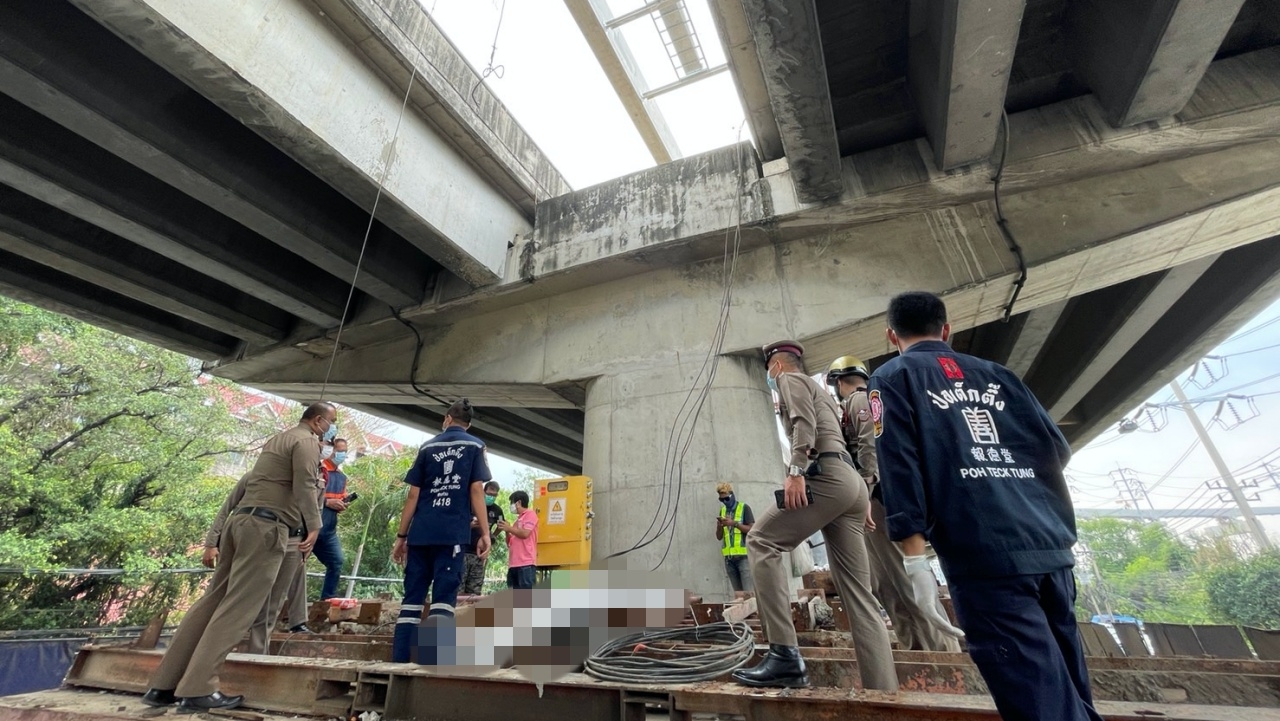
(781,498)
(351,497)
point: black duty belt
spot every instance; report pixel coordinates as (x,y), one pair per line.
(268,514)
(838,454)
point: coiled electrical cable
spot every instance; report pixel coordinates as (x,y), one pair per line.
(621,661)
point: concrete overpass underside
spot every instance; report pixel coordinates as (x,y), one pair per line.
(203,178)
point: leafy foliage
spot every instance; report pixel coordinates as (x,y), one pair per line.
(1146,571)
(106,448)
(1248,592)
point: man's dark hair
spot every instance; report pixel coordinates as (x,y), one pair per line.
(917,314)
(336,441)
(317,409)
(461,411)
(790,360)
(520,497)
(494,485)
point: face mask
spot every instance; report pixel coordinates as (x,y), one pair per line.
(331,433)
(773,382)
(339,457)
(325,452)
(728,501)
(490,500)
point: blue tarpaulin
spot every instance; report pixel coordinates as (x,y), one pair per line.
(35,665)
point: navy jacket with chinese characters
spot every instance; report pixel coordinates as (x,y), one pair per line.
(444,470)
(971,459)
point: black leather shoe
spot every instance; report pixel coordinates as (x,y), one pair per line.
(217,699)
(782,666)
(301,628)
(159,697)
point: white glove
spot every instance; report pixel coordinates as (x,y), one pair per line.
(924,588)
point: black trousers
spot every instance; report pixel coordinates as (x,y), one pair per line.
(521,576)
(1022,635)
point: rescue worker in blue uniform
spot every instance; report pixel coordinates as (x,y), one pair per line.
(970,460)
(446,490)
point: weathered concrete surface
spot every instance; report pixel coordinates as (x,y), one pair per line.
(744,64)
(396,35)
(1144,60)
(795,73)
(334,115)
(960,56)
(634,420)
(51,61)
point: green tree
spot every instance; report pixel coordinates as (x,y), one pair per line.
(1146,571)
(367,529)
(1248,592)
(105,449)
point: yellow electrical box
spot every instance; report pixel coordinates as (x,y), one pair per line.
(564,513)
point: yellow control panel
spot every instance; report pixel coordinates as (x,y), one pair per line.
(564,513)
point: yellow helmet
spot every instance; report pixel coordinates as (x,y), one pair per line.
(845,366)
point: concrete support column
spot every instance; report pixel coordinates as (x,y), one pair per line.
(629,420)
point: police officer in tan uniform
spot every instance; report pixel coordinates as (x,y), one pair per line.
(916,628)
(280,494)
(286,585)
(821,469)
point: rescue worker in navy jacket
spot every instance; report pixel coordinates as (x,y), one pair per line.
(918,628)
(446,491)
(970,459)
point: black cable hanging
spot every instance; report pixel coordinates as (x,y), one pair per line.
(1003,222)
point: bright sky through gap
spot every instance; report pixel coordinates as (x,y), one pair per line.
(554,86)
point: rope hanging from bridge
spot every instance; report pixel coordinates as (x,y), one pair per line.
(364,245)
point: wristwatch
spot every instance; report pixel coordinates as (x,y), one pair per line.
(795,471)
(402,535)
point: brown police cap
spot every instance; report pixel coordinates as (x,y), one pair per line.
(783,346)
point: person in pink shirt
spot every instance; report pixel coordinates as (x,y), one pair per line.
(522,542)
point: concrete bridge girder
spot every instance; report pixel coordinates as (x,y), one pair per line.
(830,289)
(334,116)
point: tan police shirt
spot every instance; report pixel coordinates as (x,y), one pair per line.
(286,477)
(214,535)
(810,417)
(859,434)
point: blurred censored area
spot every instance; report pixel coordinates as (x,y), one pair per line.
(549,630)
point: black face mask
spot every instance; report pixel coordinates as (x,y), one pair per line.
(728,501)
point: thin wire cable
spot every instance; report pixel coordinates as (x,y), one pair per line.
(623,661)
(1251,331)
(1251,350)
(1176,464)
(364,245)
(496,70)
(673,465)
(1003,223)
(713,356)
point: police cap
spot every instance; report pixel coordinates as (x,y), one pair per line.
(783,346)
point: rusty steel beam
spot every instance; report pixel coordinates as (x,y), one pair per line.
(273,683)
(836,705)
(1142,663)
(398,691)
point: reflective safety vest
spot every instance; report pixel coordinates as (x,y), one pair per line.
(734,543)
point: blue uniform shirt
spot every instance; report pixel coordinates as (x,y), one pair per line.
(446,467)
(970,458)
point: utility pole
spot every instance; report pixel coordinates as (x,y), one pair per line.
(1250,520)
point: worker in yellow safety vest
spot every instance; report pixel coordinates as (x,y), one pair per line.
(732,525)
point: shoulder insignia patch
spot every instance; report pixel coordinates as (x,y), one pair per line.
(950,368)
(877,412)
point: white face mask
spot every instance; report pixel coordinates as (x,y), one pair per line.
(326,452)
